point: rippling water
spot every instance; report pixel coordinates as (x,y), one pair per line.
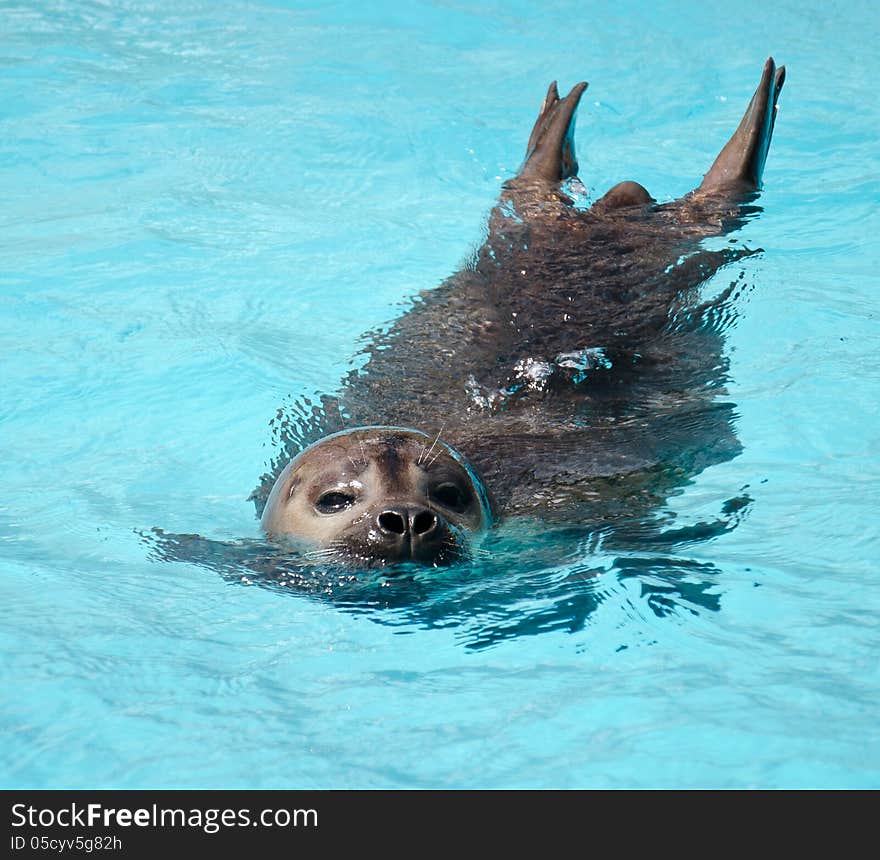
(206,206)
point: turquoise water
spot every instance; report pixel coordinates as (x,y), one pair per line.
(207,205)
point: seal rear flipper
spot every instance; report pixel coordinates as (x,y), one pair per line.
(738,169)
(550,154)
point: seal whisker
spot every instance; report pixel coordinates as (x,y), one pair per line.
(436,440)
(319,554)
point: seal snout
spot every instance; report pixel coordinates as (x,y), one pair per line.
(418,523)
(412,531)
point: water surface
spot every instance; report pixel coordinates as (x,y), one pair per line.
(206,206)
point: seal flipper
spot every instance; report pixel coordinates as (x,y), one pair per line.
(738,169)
(550,154)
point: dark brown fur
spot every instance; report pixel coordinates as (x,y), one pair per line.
(618,280)
(571,362)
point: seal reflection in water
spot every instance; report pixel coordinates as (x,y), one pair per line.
(570,368)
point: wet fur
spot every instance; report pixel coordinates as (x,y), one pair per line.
(597,453)
(620,280)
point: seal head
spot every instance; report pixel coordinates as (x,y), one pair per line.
(377,496)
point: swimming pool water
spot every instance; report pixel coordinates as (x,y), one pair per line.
(207,206)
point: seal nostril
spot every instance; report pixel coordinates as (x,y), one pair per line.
(423,522)
(392,522)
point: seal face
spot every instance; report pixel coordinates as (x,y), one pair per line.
(379,495)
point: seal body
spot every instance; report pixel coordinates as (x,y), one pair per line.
(570,363)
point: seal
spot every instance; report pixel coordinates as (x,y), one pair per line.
(569,367)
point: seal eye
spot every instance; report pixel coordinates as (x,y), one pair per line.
(331,503)
(451,496)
